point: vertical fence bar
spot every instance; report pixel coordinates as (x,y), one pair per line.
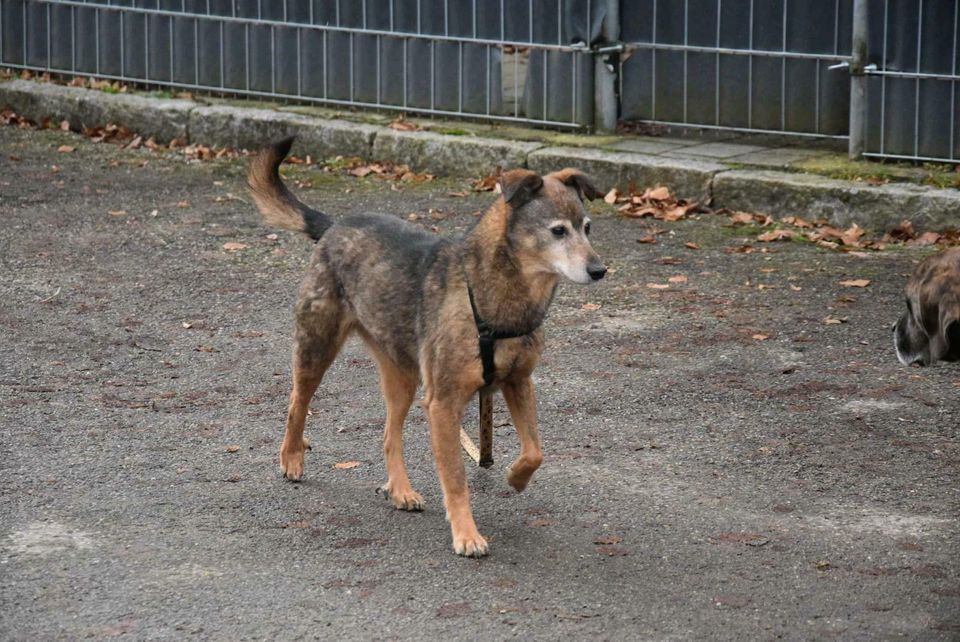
(858,81)
(916,98)
(223,82)
(48,37)
(196,50)
(573,83)
(172,48)
(716,70)
(546,68)
(783,69)
(25,32)
(750,72)
(605,79)
(953,83)
(489,87)
(123,49)
(96,37)
(686,42)
(653,65)
(883,80)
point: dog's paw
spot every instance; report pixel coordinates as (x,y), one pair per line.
(519,477)
(291,464)
(470,545)
(402,499)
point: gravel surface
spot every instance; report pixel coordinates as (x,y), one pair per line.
(721,462)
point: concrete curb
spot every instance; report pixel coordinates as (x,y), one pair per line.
(841,202)
(444,154)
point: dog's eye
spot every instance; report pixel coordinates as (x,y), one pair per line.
(559,231)
(586,228)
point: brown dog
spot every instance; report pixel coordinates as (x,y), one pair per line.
(455,315)
(930,328)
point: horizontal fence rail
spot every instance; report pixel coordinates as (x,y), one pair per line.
(493,59)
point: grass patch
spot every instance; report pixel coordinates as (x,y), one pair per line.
(836,166)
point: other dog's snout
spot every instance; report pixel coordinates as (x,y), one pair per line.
(597,271)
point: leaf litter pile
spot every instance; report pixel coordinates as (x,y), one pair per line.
(660,204)
(120,135)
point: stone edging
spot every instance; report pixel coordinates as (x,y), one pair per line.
(810,196)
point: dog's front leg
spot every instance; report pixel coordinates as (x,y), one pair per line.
(445,440)
(522,402)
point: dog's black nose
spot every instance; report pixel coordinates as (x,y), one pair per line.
(596,272)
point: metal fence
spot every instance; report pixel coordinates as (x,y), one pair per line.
(497,59)
(759,66)
(771,66)
(912,97)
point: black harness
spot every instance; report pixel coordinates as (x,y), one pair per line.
(488,336)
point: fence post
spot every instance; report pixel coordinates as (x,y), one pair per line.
(858,81)
(604,75)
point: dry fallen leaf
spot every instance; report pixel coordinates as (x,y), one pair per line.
(343,465)
(590,306)
(232,449)
(680,278)
(609,539)
(775,235)
(403,125)
(117,212)
(647,238)
(855,283)
(611,196)
(760,337)
(234,247)
(692,246)
(658,286)
(66,149)
(659,193)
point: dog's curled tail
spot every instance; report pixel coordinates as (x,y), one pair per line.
(276,203)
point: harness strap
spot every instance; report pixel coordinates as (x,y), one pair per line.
(487,338)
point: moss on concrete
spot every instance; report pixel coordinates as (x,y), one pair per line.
(840,167)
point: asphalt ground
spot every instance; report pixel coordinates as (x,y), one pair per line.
(737,455)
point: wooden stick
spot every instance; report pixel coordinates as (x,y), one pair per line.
(486,429)
(468,446)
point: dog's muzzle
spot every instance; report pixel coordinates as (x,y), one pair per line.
(596,271)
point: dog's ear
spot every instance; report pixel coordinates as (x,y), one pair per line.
(579,181)
(519,186)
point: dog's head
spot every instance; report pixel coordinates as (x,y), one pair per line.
(929,330)
(548,224)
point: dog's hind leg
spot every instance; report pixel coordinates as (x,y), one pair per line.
(321,331)
(522,402)
(399,387)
